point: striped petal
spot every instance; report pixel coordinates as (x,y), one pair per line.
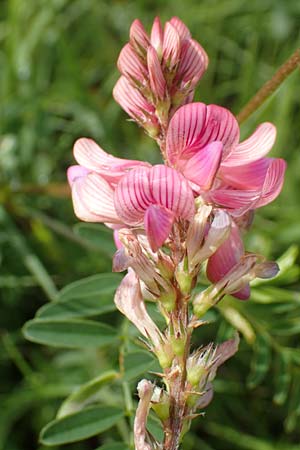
(157,80)
(171,46)
(246,176)
(75,172)
(171,190)
(273,182)
(130,65)
(158,222)
(138,36)
(225,258)
(91,156)
(133,196)
(93,199)
(253,148)
(157,36)
(201,168)
(181,28)
(193,62)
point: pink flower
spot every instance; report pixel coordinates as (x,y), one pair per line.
(124,192)
(159,71)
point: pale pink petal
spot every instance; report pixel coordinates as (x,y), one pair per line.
(145,390)
(158,224)
(157,36)
(171,190)
(247,176)
(157,80)
(193,63)
(238,202)
(93,199)
(201,168)
(90,155)
(138,36)
(181,28)
(185,130)
(225,258)
(131,66)
(117,241)
(273,182)
(133,196)
(171,46)
(75,172)
(206,397)
(121,261)
(223,352)
(253,148)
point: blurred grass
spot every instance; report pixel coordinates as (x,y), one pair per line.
(58,69)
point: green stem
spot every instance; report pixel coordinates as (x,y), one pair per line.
(270,86)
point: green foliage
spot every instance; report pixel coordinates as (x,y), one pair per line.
(57,73)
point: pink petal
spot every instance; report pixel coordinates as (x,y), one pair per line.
(253,148)
(185,130)
(171,46)
(171,190)
(273,182)
(91,156)
(246,176)
(133,196)
(225,258)
(238,202)
(181,28)
(93,199)
(157,80)
(157,36)
(158,225)
(202,167)
(193,62)
(131,66)
(132,101)
(138,36)
(75,172)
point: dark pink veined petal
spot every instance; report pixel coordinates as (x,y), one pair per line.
(171,190)
(237,201)
(225,258)
(158,223)
(193,62)
(181,28)
(246,176)
(75,172)
(273,182)
(221,125)
(157,80)
(132,101)
(92,157)
(202,167)
(157,36)
(171,46)
(93,199)
(185,131)
(138,36)
(253,148)
(130,65)
(133,196)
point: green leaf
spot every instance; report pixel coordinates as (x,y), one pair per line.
(282,378)
(85,394)
(80,425)
(91,286)
(113,446)
(91,305)
(137,363)
(100,236)
(260,363)
(70,333)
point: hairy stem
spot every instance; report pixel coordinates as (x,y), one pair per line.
(270,86)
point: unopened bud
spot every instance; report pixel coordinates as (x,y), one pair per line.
(183,277)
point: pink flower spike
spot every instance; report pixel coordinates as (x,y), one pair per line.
(131,66)
(253,148)
(181,28)
(138,36)
(157,80)
(201,168)
(129,301)
(92,157)
(158,224)
(193,63)
(171,46)
(157,36)
(93,199)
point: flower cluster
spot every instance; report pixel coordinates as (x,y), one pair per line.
(171,220)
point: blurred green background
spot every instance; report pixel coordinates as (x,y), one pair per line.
(58,68)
